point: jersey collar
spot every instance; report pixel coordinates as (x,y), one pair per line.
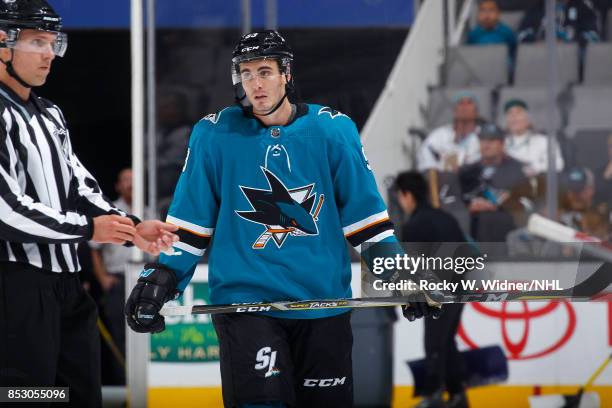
(301,110)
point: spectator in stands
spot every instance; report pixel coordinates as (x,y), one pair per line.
(492,186)
(596,224)
(577,210)
(577,21)
(523,143)
(490,30)
(109,269)
(577,196)
(577,207)
(449,147)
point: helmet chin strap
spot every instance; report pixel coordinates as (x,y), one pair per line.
(278,105)
(11,70)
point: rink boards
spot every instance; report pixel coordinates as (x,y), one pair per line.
(551,347)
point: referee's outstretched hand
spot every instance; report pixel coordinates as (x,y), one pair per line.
(113,229)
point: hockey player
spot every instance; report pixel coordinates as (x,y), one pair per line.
(272,189)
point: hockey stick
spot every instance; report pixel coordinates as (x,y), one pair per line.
(537,225)
(573,401)
(554,231)
(583,291)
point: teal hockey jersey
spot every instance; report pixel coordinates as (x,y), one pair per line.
(273,206)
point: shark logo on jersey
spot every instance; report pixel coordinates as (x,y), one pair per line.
(332,112)
(211,117)
(282,211)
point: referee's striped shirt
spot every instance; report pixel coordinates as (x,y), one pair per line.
(47,197)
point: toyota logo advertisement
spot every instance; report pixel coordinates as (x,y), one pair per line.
(546,343)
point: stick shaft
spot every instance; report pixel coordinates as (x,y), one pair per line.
(582,291)
(538,225)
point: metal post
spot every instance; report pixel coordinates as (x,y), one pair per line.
(551,176)
(271,15)
(138,350)
(137,43)
(151,113)
(136,374)
(246,16)
(445,38)
(451,15)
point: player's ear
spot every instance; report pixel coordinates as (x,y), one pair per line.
(286,78)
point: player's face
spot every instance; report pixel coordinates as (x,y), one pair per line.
(33,67)
(263,84)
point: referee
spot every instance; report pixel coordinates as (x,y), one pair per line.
(49,203)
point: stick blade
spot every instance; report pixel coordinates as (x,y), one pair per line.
(176,310)
(551,230)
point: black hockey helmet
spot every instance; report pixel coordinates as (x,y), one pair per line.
(266,44)
(17,15)
(33,14)
(259,45)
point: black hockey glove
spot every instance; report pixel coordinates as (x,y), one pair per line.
(425,308)
(426,303)
(156,285)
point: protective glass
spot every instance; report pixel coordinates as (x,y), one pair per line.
(264,75)
(57,43)
(238,77)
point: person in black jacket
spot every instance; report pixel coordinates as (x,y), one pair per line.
(492,188)
(428,228)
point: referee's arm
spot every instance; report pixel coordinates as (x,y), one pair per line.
(24,220)
(92,201)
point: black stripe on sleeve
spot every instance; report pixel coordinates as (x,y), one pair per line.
(367,233)
(194,240)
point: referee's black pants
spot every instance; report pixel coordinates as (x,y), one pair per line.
(48,333)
